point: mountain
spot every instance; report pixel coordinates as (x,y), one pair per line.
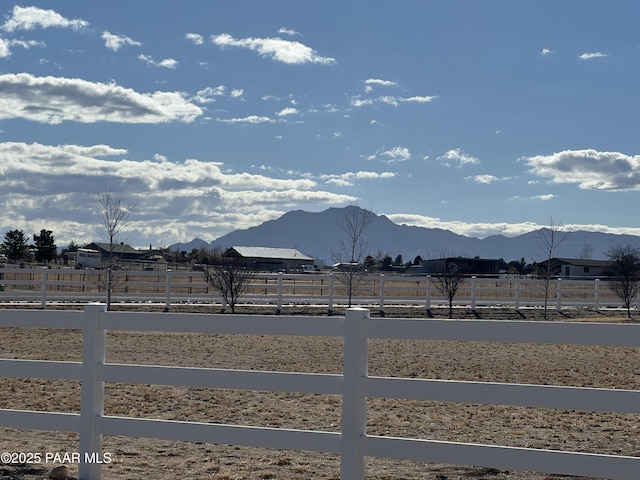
(315,233)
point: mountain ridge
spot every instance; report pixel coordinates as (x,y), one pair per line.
(314,233)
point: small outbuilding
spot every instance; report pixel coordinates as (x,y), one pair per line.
(580,268)
(469,266)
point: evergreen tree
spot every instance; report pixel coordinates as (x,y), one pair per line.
(15,245)
(45,247)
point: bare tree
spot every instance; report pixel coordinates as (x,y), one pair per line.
(114,214)
(231,280)
(624,272)
(587,252)
(451,274)
(351,250)
(551,238)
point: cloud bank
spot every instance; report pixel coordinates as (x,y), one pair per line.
(589,169)
(55,187)
(58,99)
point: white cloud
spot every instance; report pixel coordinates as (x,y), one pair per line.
(249,119)
(208,94)
(116,42)
(5,45)
(348,179)
(358,101)
(380,82)
(285,51)
(361,102)
(484,229)
(29,18)
(478,229)
(486,179)
(166,63)
(592,55)
(288,31)
(396,154)
(288,111)
(195,38)
(236,93)
(457,156)
(419,99)
(545,196)
(546,51)
(5,51)
(58,99)
(589,169)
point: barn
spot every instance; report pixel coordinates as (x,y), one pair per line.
(470,266)
(270,259)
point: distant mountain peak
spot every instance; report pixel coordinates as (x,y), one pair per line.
(315,233)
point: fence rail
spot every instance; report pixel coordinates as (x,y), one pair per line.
(354,385)
(50,285)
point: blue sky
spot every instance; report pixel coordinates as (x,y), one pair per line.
(479,117)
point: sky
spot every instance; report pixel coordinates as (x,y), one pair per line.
(481,117)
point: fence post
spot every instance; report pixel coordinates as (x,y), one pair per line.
(330,301)
(596,294)
(43,288)
(517,300)
(92,396)
(354,401)
(559,294)
(167,289)
(279,307)
(428,299)
(381,308)
(473,292)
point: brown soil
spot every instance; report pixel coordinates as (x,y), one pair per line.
(146,458)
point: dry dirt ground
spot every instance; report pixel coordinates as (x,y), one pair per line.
(135,459)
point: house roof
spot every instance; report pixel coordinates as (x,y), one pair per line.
(582,262)
(118,248)
(270,252)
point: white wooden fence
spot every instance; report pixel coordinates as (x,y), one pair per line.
(354,385)
(50,285)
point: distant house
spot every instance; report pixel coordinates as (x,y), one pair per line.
(119,250)
(470,266)
(270,259)
(579,268)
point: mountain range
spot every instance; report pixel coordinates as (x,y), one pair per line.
(315,233)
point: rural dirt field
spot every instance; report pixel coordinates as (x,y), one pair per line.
(135,459)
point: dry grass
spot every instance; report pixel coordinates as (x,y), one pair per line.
(146,458)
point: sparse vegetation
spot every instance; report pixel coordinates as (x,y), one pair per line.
(230,279)
(624,271)
(114,215)
(550,240)
(353,248)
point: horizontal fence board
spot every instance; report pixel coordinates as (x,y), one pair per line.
(40,369)
(528,459)
(489,393)
(328,384)
(264,437)
(224,324)
(54,421)
(556,333)
(42,318)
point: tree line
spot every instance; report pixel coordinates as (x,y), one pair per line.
(16,247)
